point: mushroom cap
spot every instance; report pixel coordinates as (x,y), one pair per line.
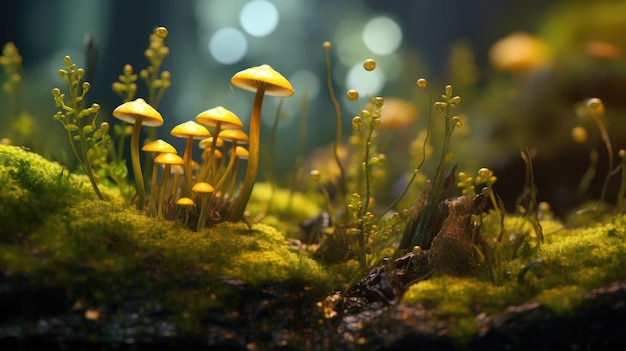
(159,145)
(185,201)
(190,129)
(603,50)
(219,115)
(206,142)
(217,154)
(234,134)
(131,111)
(519,51)
(169,159)
(202,187)
(241,152)
(250,79)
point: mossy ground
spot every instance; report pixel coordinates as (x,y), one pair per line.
(56,237)
(55,233)
(572,261)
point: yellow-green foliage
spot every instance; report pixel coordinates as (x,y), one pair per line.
(284,204)
(32,187)
(573,261)
(56,233)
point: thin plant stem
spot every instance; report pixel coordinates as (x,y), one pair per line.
(338,119)
(609,149)
(300,158)
(272,157)
(417,168)
(366,163)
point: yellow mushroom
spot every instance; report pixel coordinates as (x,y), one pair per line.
(168,160)
(203,189)
(138,113)
(189,130)
(261,80)
(187,204)
(157,147)
(218,118)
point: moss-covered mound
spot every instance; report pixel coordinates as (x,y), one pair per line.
(77,269)
(557,276)
(94,257)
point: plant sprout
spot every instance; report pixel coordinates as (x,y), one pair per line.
(79,122)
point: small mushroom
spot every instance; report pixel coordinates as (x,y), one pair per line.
(189,130)
(261,80)
(139,113)
(217,117)
(187,204)
(207,142)
(203,189)
(157,147)
(168,160)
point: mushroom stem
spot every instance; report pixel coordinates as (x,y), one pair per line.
(136,161)
(153,189)
(224,182)
(211,159)
(203,210)
(227,174)
(187,168)
(162,190)
(253,157)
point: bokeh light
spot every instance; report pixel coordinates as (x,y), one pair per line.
(212,14)
(259,18)
(382,35)
(228,45)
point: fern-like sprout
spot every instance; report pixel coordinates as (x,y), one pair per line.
(156,81)
(11,62)
(79,122)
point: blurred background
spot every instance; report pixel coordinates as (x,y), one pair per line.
(523,94)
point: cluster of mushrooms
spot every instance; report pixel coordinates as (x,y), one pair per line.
(209,187)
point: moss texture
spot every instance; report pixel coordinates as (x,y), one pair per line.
(58,238)
(56,234)
(557,274)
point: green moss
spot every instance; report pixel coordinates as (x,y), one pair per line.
(32,188)
(58,235)
(562,300)
(573,261)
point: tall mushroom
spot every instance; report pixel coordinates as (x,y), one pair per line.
(262,80)
(189,130)
(139,113)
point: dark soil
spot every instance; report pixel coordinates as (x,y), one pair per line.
(287,317)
